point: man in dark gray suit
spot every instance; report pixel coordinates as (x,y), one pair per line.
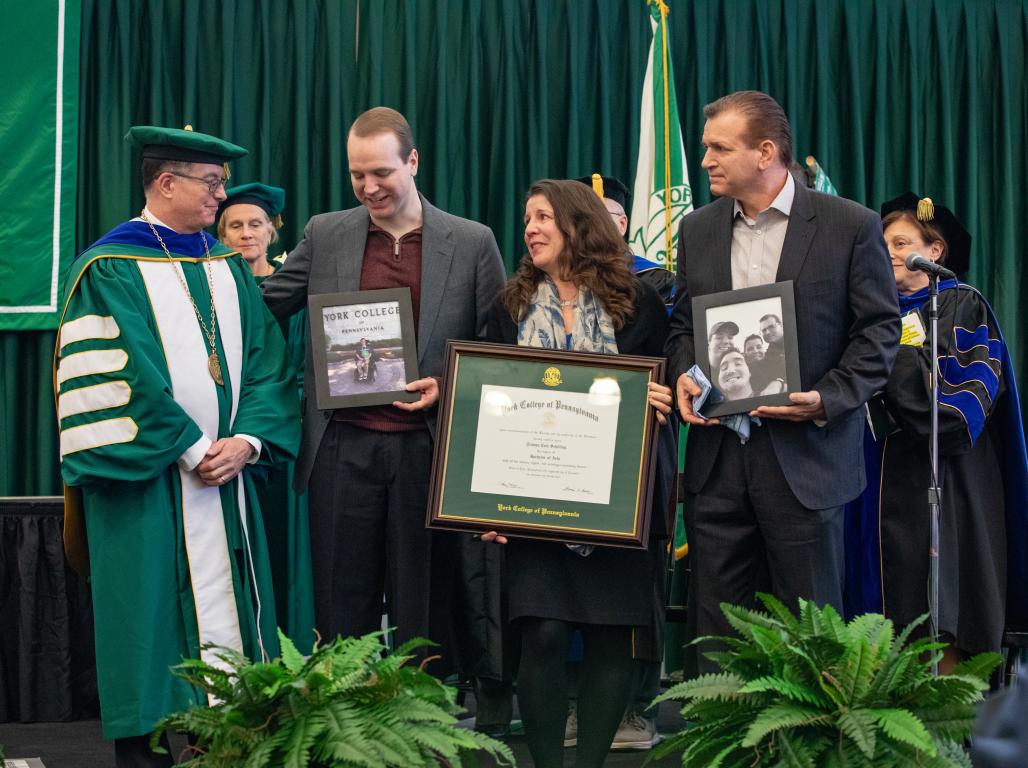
(367,469)
(767,514)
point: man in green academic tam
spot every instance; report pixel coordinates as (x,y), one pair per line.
(171,385)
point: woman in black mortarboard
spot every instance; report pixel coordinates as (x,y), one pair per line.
(981,449)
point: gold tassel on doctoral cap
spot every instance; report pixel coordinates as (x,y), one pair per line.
(925,209)
(598,186)
(224,166)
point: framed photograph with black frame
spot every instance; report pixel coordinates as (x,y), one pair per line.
(545,444)
(746,346)
(363,346)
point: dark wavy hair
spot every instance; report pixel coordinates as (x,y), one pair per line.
(595,255)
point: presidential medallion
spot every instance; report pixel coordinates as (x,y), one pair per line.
(214,366)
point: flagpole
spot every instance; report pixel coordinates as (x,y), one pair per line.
(669,258)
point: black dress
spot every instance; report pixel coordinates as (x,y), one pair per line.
(611,585)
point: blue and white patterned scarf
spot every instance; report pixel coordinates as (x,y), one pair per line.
(592,331)
(543,322)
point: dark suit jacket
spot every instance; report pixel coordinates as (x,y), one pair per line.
(461,273)
(848,327)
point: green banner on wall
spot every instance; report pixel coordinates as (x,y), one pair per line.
(39,135)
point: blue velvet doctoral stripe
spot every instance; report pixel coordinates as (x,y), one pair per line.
(953,372)
(863,593)
(138,233)
(639,264)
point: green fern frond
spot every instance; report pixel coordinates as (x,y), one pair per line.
(771,642)
(786,688)
(292,659)
(743,620)
(859,726)
(799,750)
(846,754)
(857,668)
(303,736)
(953,721)
(782,715)
(954,754)
(981,666)
(778,610)
(902,725)
(833,626)
(721,685)
(905,634)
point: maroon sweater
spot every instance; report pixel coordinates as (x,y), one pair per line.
(389,263)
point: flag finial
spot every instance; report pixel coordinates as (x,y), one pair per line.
(598,186)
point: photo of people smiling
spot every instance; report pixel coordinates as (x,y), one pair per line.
(746,348)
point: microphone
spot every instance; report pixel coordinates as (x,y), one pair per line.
(915,262)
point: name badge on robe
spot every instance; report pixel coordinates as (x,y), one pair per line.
(913,334)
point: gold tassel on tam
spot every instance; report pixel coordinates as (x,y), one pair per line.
(925,209)
(598,186)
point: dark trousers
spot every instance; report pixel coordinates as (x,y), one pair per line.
(368,496)
(604,684)
(645,687)
(748,533)
(135,752)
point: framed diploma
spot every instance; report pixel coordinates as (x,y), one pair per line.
(363,347)
(752,356)
(545,444)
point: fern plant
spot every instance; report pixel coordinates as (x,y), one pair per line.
(815,692)
(351,703)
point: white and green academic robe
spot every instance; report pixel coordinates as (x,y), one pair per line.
(175,564)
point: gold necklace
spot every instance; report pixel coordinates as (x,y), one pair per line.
(213,363)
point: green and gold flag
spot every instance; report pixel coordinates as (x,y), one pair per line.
(661,193)
(39,129)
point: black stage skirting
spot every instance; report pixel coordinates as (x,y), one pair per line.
(47,664)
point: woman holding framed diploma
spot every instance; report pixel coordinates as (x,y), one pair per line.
(574,291)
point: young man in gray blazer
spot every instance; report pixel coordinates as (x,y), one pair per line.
(367,469)
(767,515)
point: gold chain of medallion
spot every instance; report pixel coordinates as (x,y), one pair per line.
(213,363)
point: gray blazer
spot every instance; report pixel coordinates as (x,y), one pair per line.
(461,273)
(847,321)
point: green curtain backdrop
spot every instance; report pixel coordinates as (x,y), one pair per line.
(889,95)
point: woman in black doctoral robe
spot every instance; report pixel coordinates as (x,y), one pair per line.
(979,433)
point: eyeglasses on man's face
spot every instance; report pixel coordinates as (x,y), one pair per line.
(212,184)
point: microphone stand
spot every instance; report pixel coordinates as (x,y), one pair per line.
(934,490)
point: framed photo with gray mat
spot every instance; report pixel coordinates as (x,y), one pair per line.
(746,346)
(545,444)
(363,347)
